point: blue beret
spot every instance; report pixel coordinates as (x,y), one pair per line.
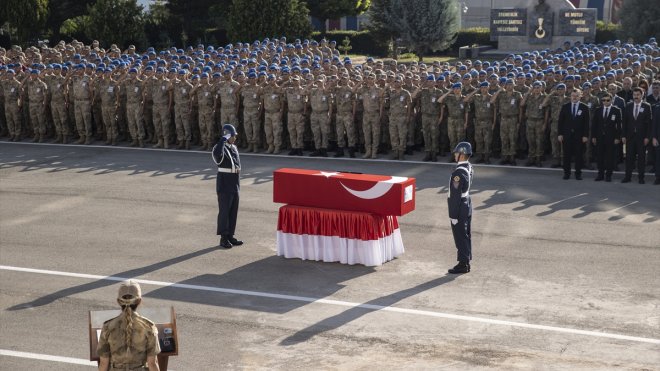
(537,83)
(430,78)
(216,75)
(467,76)
(509,81)
(133,70)
(484,84)
(34,71)
(569,78)
(440,78)
(561,86)
(586,85)
(182,72)
(457,85)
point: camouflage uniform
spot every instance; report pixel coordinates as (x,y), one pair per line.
(345,101)
(108,90)
(296,101)
(320,100)
(456,118)
(162,97)
(182,89)
(134,105)
(273,103)
(400,103)
(372,100)
(37,97)
(83,108)
(484,113)
(508,105)
(58,93)
(205,94)
(12,91)
(251,95)
(112,343)
(535,126)
(430,108)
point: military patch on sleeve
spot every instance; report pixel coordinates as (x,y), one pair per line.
(456,182)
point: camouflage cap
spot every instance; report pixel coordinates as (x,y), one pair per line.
(131,288)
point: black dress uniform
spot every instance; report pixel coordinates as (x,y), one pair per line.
(227,186)
(460,211)
(606,128)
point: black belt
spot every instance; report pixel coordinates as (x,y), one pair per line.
(119,366)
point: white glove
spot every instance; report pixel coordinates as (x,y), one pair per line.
(227,136)
(454,221)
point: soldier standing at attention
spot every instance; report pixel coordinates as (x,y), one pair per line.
(13,102)
(83,94)
(229,98)
(162,97)
(372,101)
(400,110)
(108,89)
(485,120)
(508,104)
(251,94)
(345,100)
(129,341)
(58,103)
(430,109)
(182,108)
(536,126)
(37,97)
(454,105)
(134,105)
(273,103)
(555,100)
(321,102)
(205,95)
(296,100)
(227,185)
(460,207)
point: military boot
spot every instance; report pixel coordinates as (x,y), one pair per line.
(36,138)
(324,152)
(271,148)
(339,153)
(166,143)
(539,163)
(394,155)
(159,144)
(461,267)
(487,160)
(402,155)
(351,152)
(81,140)
(316,153)
(42,138)
(374,151)
(58,139)
(64,138)
(434,156)
(187,144)
(277,151)
(134,143)
(530,162)
(512,160)
(300,152)
(179,145)
(140,143)
(367,153)
(427,157)
(88,140)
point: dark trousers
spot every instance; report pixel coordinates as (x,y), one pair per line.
(573,149)
(635,148)
(657,162)
(463,239)
(605,156)
(227,213)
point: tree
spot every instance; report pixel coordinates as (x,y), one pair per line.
(118,22)
(191,20)
(640,19)
(422,25)
(255,19)
(59,11)
(323,9)
(380,24)
(25,19)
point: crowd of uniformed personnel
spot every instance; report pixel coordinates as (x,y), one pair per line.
(303,95)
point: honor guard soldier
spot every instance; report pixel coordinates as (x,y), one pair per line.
(225,155)
(128,341)
(460,206)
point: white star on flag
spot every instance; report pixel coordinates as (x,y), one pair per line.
(327,174)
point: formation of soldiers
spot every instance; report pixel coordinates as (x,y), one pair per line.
(304,95)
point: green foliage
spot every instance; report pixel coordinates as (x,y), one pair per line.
(118,22)
(474,35)
(74,28)
(26,19)
(345,45)
(190,21)
(425,25)
(323,9)
(380,20)
(255,19)
(362,42)
(640,19)
(59,11)
(606,32)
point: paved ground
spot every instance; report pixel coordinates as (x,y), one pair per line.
(573,256)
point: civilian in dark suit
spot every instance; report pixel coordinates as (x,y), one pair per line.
(636,134)
(573,133)
(227,186)
(606,132)
(656,141)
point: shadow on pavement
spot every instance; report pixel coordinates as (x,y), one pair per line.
(47,299)
(354,313)
(272,275)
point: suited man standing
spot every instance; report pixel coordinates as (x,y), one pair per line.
(573,133)
(636,134)
(656,141)
(227,186)
(606,132)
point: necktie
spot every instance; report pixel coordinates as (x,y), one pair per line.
(574,109)
(636,111)
(607,111)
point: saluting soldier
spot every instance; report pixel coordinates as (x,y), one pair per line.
(372,101)
(227,185)
(252,106)
(162,97)
(345,101)
(37,97)
(484,112)
(108,90)
(83,93)
(430,108)
(508,104)
(273,103)
(536,124)
(182,110)
(320,100)
(400,110)
(229,91)
(134,105)
(555,100)
(296,99)
(454,106)
(12,89)
(128,341)
(205,94)
(459,205)
(58,103)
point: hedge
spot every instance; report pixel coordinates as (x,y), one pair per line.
(362,42)
(474,35)
(606,32)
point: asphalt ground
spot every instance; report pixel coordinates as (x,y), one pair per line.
(564,276)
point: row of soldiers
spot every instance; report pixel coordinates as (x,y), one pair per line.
(507,105)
